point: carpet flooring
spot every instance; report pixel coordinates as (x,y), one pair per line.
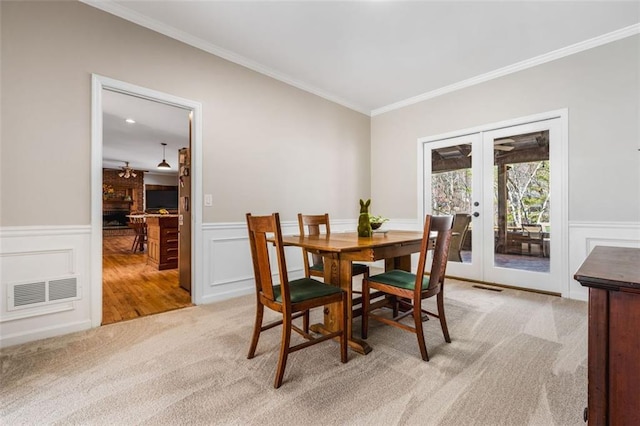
(516,358)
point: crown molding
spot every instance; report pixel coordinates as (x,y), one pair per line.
(519,66)
(157,26)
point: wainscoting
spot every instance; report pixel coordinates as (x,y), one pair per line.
(584,236)
(44,254)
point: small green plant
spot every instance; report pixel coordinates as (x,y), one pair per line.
(377,219)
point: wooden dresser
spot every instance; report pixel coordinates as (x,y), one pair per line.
(162,239)
(613,277)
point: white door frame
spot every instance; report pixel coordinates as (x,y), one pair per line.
(98,83)
(560,159)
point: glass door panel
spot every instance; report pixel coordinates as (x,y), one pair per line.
(519,187)
(452,176)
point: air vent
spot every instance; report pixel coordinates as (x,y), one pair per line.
(30,293)
(41,293)
(488,288)
(63,289)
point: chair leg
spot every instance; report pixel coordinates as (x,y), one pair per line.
(284,349)
(343,336)
(364,331)
(135,243)
(443,320)
(305,321)
(256,330)
(417,319)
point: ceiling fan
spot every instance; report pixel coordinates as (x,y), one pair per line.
(497,144)
(127,172)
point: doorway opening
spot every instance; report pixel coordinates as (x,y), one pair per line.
(142,253)
(143,265)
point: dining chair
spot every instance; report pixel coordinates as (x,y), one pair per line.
(461,223)
(533,235)
(139,226)
(415,287)
(293,299)
(311,224)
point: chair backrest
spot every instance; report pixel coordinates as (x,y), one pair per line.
(442,226)
(461,223)
(534,230)
(263,232)
(311,224)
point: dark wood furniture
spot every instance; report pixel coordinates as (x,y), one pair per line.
(339,250)
(613,277)
(162,241)
(413,288)
(292,299)
(313,225)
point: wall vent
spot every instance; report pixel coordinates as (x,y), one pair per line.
(40,293)
(29,293)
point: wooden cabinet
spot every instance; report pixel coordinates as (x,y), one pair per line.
(162,240)
(613,277)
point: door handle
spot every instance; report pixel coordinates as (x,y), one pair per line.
(476,214)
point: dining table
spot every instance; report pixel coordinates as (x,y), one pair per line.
(339,250)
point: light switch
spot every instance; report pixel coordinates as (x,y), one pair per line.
(208,200)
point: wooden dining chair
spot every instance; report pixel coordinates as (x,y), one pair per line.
(415,287)
(461,222)
(293,299)
(139,226)
(313,263)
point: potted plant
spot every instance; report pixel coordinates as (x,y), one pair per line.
(377,221)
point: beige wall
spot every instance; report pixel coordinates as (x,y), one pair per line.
(266,146)
(601,89)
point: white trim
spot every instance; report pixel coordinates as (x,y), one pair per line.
(98,84)
(39,231)
(43,333)
(519,66)
(159,27)
(584,236)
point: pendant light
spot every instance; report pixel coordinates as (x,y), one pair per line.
(164,164)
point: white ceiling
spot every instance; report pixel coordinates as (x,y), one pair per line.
(140,143)
(374,55)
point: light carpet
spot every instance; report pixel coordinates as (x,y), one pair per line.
(516,358)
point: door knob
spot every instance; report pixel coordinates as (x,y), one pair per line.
(476,214)
(476,203)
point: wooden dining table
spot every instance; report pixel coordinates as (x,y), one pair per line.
(339,250)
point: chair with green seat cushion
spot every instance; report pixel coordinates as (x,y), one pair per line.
(293,299)
(315,266)
(414,287)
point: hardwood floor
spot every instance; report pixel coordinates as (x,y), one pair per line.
(133,289)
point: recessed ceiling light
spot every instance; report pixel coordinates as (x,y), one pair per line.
(130,120)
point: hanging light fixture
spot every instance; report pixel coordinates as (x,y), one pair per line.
(164,164)
(127,172)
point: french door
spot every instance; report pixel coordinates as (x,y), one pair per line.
(507,183)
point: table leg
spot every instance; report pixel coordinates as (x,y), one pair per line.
(338,272)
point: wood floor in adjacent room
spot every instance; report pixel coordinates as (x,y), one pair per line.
(133,289)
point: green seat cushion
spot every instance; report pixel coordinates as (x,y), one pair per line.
(317,267)
(356,268)
(305,289)
(400,279)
